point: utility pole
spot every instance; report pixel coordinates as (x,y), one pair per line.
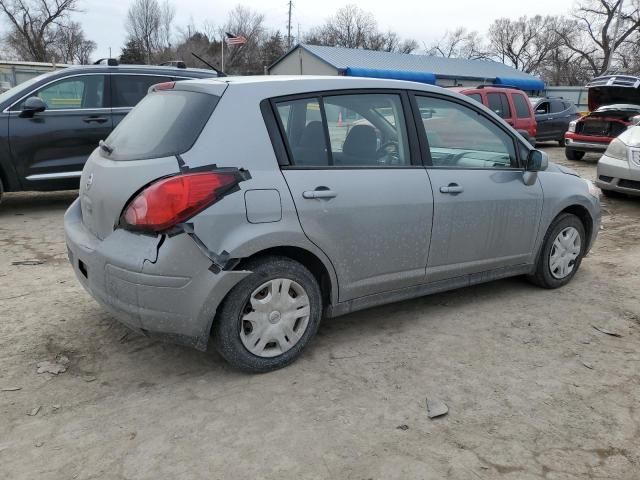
(289,26)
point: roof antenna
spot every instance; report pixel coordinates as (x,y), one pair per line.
(219,72)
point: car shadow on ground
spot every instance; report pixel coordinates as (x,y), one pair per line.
(164,363)
(22,203)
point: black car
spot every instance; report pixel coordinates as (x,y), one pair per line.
(50,124)
(553,116)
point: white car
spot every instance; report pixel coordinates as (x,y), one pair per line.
(619,167)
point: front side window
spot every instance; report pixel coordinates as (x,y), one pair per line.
(461,137)
(499,104)
(363,130)
(543,108)
(128,90)
(72,93)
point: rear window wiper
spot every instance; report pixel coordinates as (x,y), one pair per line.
(105,147)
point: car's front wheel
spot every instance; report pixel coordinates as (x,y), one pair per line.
(266,320)
(573,154)
(562,251)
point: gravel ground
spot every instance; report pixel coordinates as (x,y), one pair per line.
(534,390)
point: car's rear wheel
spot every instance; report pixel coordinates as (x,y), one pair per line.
(562,251)
(573,154)
(266,320)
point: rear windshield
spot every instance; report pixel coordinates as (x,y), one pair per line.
(163,124)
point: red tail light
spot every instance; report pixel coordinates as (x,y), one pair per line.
(163,86)
(173,200)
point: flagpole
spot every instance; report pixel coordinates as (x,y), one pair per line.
(222,47)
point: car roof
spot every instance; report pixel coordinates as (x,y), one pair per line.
(275,85)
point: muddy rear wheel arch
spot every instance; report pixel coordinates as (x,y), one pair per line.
(320,270)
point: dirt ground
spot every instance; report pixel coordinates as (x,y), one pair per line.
(534,390)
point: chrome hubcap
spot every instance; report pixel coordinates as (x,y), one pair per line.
(564,252)
(275,317)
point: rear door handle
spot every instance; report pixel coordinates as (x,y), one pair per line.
(94,119)
(320,192)
(452,188)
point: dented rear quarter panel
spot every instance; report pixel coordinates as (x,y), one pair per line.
(224,227)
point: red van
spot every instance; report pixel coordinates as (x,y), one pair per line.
(511,104)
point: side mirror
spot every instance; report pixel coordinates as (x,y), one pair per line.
(537,161)
(541,111)
(31,106)
(635,120)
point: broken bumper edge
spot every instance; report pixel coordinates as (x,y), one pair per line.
(158,285)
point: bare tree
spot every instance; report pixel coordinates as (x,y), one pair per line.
(143,25)
(244,59)
(352,27)
(72,46)
(35,25)
(524,43)
(602,33)
(459,43)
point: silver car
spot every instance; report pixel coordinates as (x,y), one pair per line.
(619,167)
(247,209)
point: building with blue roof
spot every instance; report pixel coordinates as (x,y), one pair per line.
(305,59)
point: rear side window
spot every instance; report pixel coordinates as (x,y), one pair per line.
(476,96)
(128,90)
(498,103)
(557,106)
(522,106)
(163,124)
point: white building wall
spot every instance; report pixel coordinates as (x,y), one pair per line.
(301,62)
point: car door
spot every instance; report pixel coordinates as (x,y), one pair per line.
(53,145)
(361,196)
(546,130)
(128,89)
(561,116)
(486,214)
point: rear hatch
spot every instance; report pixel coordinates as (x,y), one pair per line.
(144,147)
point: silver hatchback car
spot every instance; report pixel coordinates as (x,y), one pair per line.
(247,209)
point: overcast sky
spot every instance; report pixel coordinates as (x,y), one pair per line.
(424,20)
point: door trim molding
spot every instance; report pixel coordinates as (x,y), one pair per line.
(53,176)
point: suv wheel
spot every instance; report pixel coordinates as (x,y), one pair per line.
(266,320)
(562,252)
(573,154)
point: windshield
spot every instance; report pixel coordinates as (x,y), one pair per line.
(24,86)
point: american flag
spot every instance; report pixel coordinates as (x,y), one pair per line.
(232,39)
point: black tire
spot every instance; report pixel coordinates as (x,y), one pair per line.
(573,154)
(542,275)
(227,324)
(612,193)
(1,190)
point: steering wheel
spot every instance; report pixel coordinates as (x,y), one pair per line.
(389,152)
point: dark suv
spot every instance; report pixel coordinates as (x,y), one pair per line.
(50,124)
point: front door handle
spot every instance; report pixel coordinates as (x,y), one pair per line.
(452,188)
(320,192)
(94,119)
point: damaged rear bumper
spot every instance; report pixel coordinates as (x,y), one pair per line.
(158,285)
